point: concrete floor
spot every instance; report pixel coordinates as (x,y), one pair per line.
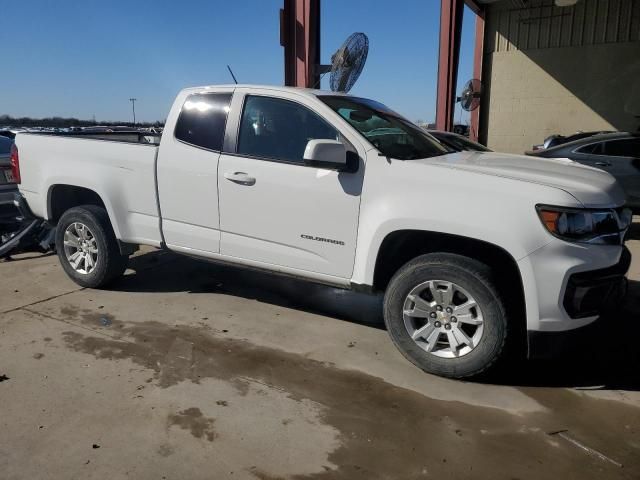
(189,370)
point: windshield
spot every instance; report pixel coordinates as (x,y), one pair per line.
(392,135)
(460,143)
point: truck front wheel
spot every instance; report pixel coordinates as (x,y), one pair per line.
(87,247)
(445,315)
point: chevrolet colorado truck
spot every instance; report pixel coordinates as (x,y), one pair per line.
(479,254)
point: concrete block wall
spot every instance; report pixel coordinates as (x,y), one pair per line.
(573,83)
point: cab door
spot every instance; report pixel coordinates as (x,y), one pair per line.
(274,209)
(188,171)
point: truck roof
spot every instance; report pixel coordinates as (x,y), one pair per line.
(305,91)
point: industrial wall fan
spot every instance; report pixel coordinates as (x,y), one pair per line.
(470,96)
(347,62)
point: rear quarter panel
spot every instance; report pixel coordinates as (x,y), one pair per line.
(122,174)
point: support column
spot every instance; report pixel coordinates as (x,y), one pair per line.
(449,54)
(300,37)
(477,73)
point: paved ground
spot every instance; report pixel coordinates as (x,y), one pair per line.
(190,370)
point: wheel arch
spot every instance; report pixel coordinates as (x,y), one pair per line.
(61,197)
(400,246)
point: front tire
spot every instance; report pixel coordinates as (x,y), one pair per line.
(87,247)
(445,315)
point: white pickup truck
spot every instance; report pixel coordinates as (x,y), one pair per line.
(476,252)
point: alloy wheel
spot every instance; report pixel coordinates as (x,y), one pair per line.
(80,248)
(443,319)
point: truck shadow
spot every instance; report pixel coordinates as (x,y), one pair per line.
(21,257)
(607,358)
(634,230)
(167,272)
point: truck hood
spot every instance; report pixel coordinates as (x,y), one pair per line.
(590,186)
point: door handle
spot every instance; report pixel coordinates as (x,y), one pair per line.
(603,164)
(240,178)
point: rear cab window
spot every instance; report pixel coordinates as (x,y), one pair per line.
(203,119)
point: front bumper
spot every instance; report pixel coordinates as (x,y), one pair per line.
(594,296)
(593,293)
(549,276)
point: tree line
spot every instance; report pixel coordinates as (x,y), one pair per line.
(62,122)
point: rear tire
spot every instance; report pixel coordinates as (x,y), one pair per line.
(87,247)
(444,313)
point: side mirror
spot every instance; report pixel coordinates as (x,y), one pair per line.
(322,153)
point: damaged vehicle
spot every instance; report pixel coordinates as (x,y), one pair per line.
(20,230)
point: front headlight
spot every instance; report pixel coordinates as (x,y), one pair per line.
(606,227)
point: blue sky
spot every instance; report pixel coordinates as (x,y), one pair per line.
(88,57)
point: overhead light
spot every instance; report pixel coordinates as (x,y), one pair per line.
(566,3)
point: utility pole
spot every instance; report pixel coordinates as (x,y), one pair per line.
(133,106)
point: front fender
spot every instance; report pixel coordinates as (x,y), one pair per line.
(417,196)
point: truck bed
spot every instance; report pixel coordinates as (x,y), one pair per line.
(126,136)
(118,166)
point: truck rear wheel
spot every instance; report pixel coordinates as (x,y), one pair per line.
(87,247)
(445,315)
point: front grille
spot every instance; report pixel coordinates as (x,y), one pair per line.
(588,294)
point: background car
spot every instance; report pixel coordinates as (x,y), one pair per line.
(457,142)
(617,153)
(555,140)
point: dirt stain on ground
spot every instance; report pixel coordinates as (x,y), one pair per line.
(385,431)
(193,420)
(165,450)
